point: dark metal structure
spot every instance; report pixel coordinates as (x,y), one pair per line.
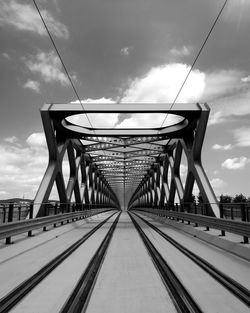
(125,168)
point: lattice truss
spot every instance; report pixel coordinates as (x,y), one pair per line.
(125,168)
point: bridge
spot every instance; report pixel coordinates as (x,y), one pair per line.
(125,234)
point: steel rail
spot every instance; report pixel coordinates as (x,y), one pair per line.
(233,286)
(182,299)
(77,301)
(236,227)
(16,228)
(18,293)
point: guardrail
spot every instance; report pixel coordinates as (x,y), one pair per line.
(224,225)
(10,212)
(237,211)
(8,230)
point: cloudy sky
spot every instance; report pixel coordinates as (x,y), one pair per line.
(127,51)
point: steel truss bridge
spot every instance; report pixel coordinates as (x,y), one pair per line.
(157,256)
(125,168)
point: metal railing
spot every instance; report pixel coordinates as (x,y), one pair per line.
(17,221)
(10,212)
(13,211)
(198,217)
(234,211)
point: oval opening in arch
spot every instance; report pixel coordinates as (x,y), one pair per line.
(125,120)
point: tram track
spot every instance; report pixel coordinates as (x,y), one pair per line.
(18,293)
(84,283)
(78,300)
(230,284)
(181,298)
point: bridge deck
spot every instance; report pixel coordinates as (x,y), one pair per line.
(128,280)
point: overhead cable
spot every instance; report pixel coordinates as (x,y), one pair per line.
(196,58)
(62,62)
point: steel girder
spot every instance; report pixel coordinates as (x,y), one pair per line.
(125,167)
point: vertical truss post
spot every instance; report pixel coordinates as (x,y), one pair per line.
(144,193)
(176,185)
(84,171)
(164,191)
(151,188)
(192,145)
(73,184)
(154,183)
(90,180)
(97,188)
(158,183)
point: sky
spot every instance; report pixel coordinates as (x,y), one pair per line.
(124,51)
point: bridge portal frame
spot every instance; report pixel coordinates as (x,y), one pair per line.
(186,136)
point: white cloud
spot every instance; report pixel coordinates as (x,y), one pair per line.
(24,17)
(37,140)
(216,118)
(222,147)
(161,84)
(221,83)
(97,120)
(217,183)
(12,139)
(55,27)
(125,51)
(145,120)
(222,89)
(184,51)
(246,79)
(222,109)
(110,120)
(33,85)
(48,66)
(6,55)
(22,167)
(242,136)
(100,100)
(226,94)
(235,163)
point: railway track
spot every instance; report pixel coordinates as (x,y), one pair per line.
(182,299)
(77,301)
(233,286)
(18,293)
